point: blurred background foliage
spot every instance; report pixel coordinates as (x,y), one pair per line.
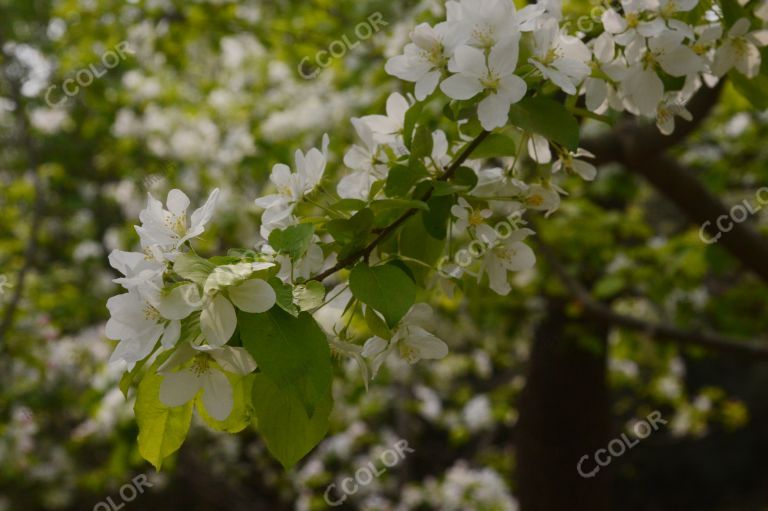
(212,95)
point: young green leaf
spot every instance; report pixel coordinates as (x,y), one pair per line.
(401,179)
(495,145)
(308,296)
(411,116)
(292,351)
(162,430)
(283,421)
(387,204)
(548,118)
(422,143)
(436,219)
(353,230)
(193,267)
(284,294)
(293,240)
(376,325)
(386,288)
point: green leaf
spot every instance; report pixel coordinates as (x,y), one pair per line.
(608,286)
(732,11)
(293,240)
(411,116)
(292,351)
(308,296)
(401,179)
(495,145)
(129,377)
(283,421)
(227,275)
(456,110)
(465,177)
(162,430)
(193,267)
(242,253)
(436,219)
(348,205)
(190,328)
(755,90)
(548,118)
(422,143)
(417,244)
(376,325)
(377,186)
(386,204)
(386,288)
(353,230)
(224,260)
(284,294)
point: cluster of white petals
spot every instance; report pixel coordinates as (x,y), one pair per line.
(485,57)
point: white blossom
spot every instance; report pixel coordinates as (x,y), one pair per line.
(206,373)
(496,77)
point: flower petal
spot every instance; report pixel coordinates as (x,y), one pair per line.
(234,360)
(254,295)
(218,321)
(217,395)
(461,86)
(179,388)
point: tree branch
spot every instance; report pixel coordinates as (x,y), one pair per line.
(640,148)
(659,331)
(37,208)
(388,230)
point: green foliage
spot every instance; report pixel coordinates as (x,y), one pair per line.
(289,432)
(436,219)
(496,145)
(546,117)
(162,430)
(422,143)
(292,393)
(401,179)
(308,296)
(293,240)
(284,294)
(193,267)
(386,288)
(291,351)
(376,325)
(351,233)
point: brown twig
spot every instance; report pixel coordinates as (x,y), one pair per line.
(658,331)
(391,228)
(38,206)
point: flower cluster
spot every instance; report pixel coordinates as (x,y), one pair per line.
(630,66)
(160,305)
(261,318)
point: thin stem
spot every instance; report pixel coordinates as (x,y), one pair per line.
(591,115)
(384,234)
(38,207)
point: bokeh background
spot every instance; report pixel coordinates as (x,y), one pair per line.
(212,95)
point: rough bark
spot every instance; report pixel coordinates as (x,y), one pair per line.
(564,414)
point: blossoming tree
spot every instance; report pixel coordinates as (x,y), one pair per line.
(248,335)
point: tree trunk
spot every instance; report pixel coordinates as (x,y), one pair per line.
(564,414)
